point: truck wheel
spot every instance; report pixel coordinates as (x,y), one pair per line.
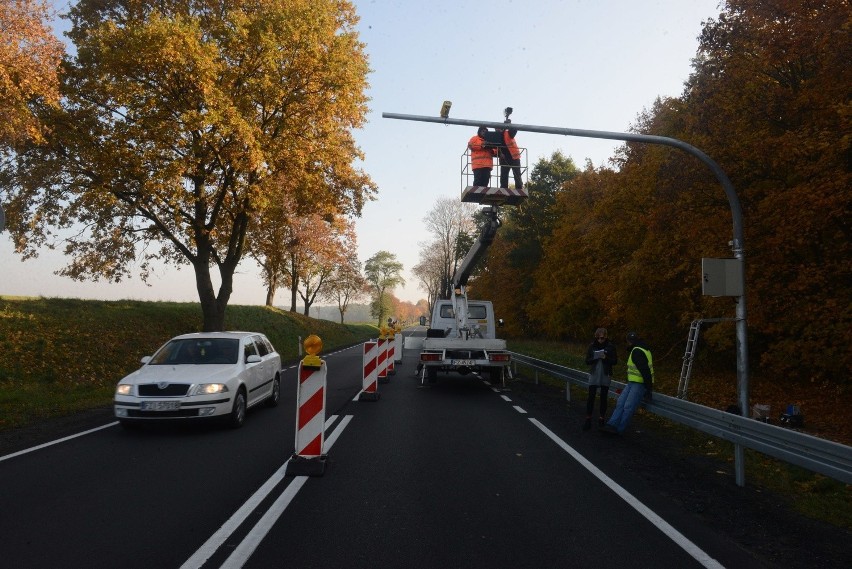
(432,374)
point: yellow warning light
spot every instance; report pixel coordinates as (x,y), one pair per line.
(313,346)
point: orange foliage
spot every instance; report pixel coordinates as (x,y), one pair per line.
(769,102)
(29,60)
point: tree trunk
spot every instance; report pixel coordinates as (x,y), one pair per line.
(270,291)
(294,287)
(212,308)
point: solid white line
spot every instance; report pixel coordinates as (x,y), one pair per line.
(696,552)
(336,433)
(519,409)
(223,533)
(247,547)
(56,442)
(242,553)
(200,557)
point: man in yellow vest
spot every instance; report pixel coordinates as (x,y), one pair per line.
(640,384)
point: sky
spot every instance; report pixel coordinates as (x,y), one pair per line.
(580,64)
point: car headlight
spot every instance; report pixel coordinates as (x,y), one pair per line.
(211,388)
(124,389)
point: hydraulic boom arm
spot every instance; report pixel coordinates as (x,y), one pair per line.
(486,236)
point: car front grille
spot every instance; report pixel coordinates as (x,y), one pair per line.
(136,414)
(170,390)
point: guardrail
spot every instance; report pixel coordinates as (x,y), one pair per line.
(815,454)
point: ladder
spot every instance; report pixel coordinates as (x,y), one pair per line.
(689,354)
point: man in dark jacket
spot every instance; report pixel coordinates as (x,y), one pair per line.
(510,158)
(640,384)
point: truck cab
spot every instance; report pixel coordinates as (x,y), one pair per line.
(480,320)
(460,344)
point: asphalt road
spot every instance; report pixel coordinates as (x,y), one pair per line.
(455,474)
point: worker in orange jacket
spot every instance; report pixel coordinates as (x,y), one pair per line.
(481,157)
(510,158)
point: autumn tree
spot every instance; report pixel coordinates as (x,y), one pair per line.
(384,273)
(769,99)
(29,60)
(327,246)
(431,272)
(407,312)
(179,120)
(346,284)
(517,250)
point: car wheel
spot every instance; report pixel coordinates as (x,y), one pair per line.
(275,396)
(238,411)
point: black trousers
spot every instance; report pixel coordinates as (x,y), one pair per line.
(481,176)
(514,164)
(590,402)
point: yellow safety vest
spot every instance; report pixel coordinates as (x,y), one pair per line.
(633,373)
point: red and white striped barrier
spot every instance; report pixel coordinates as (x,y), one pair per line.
(371,373)
(397,347)
(308,459)
(382,360)
(391,357)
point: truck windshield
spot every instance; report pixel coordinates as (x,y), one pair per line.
(198,351)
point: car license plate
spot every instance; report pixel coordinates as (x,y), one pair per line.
(461,362)
(160,405)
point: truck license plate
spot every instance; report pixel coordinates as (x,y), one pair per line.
(160,405)
(461,362)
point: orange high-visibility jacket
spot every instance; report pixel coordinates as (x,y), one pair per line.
(511,145)
(480,155)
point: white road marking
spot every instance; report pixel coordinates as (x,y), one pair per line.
(520,409)
(256,535)
(506,398)
(56,442)
(696,552)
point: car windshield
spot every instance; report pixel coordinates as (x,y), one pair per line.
(198,351)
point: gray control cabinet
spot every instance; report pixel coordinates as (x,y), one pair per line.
(721,277)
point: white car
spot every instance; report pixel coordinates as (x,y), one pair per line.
(202,375)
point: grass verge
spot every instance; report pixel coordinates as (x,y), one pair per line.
(58,356)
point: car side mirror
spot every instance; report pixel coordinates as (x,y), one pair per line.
(253,359)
